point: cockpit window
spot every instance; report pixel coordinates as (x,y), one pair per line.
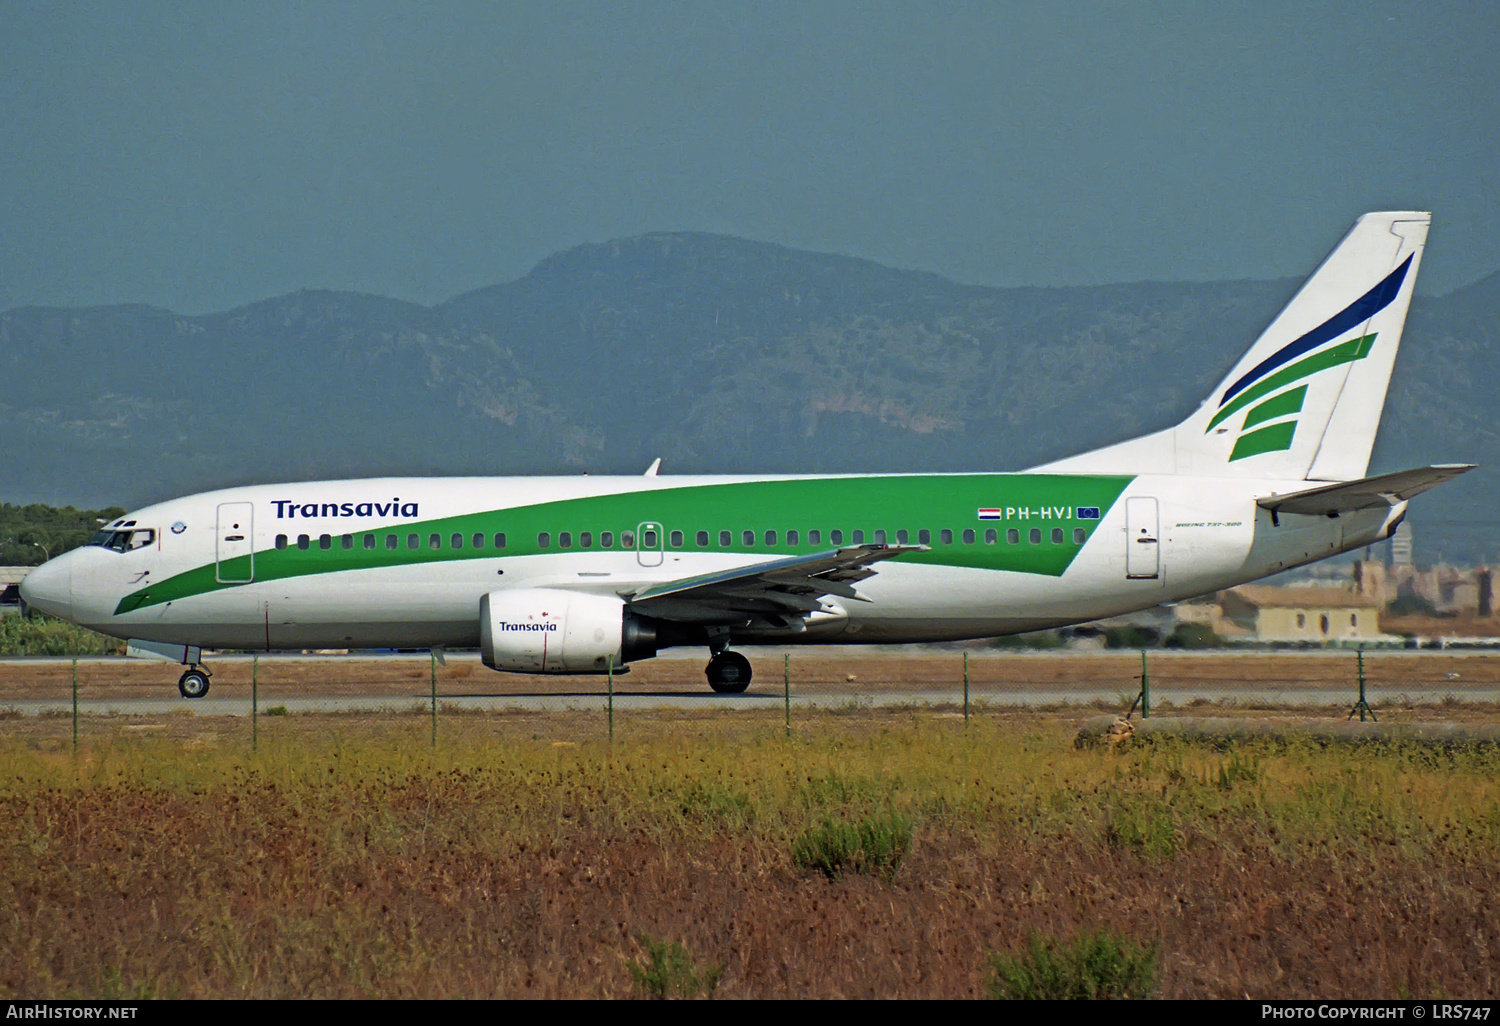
(123,541)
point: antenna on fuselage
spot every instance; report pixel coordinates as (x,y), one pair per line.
(655,466)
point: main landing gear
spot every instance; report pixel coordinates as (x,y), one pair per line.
(728,673)
(194,682)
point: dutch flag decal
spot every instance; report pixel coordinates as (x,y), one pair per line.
(989,513)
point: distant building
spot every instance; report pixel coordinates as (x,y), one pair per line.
(1401,545)
(1372,582)
(10,587)
(1302,614)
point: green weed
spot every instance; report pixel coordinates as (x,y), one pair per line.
(1097,964)
(670,971)
(876,845)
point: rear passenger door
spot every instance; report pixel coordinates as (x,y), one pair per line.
(1142,539)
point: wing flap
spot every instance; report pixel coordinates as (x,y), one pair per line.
(788,587)
(1367,493)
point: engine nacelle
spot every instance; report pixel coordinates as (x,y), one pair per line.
(549,630)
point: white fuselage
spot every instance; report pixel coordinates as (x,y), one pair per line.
(1163,539)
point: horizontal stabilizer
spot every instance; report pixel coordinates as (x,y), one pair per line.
(1368,493)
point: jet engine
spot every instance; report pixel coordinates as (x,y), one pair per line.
(549,630)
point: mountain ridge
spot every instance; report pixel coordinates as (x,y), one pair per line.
(716,353)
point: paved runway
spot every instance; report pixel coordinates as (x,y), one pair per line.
(920,679)
(824,699)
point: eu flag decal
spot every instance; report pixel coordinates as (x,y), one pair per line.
(1088,513)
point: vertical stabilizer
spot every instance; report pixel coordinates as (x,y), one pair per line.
(1305,401)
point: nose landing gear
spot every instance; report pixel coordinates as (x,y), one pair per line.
(728,673)
(194,682)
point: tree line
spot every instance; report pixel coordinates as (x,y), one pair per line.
(32,534)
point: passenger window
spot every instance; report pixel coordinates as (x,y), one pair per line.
(770,537)
(857,537)
(413,541)
(901,536)
(303,541)
(627,539)
(676,537)
(434,541)
(991,537)
(325,541)
(500,541)
(880,537)
(544,540)
(565,540)
(747,538)
(478,540)
(457,541)
(1012,537)
(968,536)
(924,536)
(390,541)
(1057,536)
(815,537)
(369,541)
(1036,536)
(702,539)
(347,541)
(586,540)
(945,536)
(1079,536)
(791,537)
(607,540)
(725,539)
(281,541)
(837,537)
(648,538)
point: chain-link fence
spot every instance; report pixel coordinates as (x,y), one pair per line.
(58,701)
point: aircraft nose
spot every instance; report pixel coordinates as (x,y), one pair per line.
(50,588)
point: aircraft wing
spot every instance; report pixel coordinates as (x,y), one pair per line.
(1367,493)
(783,591)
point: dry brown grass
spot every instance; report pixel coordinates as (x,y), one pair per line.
(358,862)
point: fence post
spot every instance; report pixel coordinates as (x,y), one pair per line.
(1145,688)
(255,703)
(786,690)
(966,687)
(75,705)
(1362,706)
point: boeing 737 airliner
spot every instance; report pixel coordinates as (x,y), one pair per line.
(585,574)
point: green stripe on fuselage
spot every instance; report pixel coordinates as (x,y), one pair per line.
(911,503)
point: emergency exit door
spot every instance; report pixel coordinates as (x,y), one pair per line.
(1142,539)
(649,544)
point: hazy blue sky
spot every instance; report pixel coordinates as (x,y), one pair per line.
(201,155)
